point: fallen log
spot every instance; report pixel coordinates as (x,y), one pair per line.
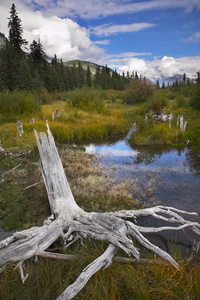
(69,222)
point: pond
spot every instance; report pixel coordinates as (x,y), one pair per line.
(171,173)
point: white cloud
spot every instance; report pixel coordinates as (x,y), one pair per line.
(102,42)
(92,9)
(106,29)
(63,37)
(160,68)
(195,38)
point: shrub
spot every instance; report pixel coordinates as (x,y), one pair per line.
(180,100)
(158,100)
(14,105)
(88,100)
(139,91)
(195,97)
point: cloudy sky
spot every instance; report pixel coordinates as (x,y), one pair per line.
(156,38)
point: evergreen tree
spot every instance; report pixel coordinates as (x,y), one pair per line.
(97,77)
(88,77)
(157,84)
(24,78)
(9,66)
(15,30)
(37,53)
(64,76)
(163,85)
(195,99)
(80,76)
(69,78)
(116,82)
(184,78)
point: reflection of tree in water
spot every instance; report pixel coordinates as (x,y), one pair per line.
(148,155)
(193,158)
(145,157)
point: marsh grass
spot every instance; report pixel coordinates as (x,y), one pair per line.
(152,133)
(48,278)
(74,124)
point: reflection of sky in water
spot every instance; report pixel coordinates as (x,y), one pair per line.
(174,172)
(121,152)
(117,150)
(179,185)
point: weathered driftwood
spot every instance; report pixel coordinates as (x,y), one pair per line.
(57,113)
(162,117)
(71,223)
(20,128)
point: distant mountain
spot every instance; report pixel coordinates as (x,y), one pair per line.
(84,65)
(172,79)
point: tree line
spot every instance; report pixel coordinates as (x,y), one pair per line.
(29,69)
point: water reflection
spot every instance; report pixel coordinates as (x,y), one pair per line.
(176,171)
(193,158)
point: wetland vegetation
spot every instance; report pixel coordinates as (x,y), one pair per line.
(22,206)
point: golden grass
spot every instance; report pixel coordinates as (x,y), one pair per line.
(72,125)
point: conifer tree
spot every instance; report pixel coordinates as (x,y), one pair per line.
(97,77)
(15,30)
(157,84)
(37,53)
(88,77)
(80,76)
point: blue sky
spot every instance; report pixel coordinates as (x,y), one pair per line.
(156,38)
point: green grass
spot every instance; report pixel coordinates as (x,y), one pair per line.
(48,278)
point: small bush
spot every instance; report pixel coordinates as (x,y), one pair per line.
(88,100)
(18,104)
(195,97)
(180,100)
(156,105)
(139,91)
(158,101)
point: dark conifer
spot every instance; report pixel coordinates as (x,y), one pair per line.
(15,30)
(88,77)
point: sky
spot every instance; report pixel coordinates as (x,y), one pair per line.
(156,38)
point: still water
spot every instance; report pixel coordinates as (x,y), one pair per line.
(173,173)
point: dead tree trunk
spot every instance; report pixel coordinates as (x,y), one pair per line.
(70,222)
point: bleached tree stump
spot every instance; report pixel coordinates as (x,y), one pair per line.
(70,222)
(20,128)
